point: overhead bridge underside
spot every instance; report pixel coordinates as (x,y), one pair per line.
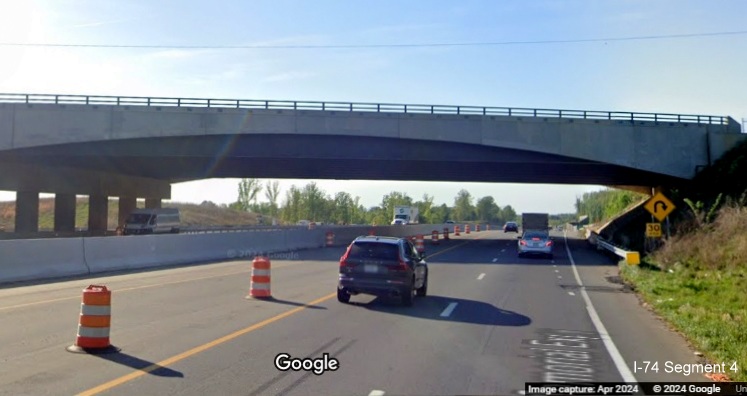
(184,158)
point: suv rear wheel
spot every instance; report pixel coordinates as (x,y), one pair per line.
(407,298)
(423,289)
(343,296)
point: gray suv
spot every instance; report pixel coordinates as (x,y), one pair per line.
(382,266)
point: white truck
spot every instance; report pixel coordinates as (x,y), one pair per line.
(405,215)
(152,221)
(535,222)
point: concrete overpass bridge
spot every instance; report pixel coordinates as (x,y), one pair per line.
(135,147)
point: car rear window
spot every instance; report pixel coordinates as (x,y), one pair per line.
(531,235)
(373,250)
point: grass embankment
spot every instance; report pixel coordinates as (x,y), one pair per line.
(191,214)
(698,283)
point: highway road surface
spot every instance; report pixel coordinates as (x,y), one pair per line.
(490,323)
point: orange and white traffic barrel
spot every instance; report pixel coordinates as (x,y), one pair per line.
(419,245)
(312,225)
(456,230)
(94,321)
(330,238)
(466,228)
(446,233)
(260,285)
(477,228)
(434,237)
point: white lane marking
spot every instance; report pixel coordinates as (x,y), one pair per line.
(560,277)
(449,309)
(572,293)
(555,266)
(376,393)
(625,372)
(557,271)
(481,276)
(495,259)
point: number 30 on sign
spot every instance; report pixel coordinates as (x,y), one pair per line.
(653,230)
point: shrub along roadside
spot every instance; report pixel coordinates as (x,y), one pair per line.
(709,307)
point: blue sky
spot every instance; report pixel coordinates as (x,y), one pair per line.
(699,74)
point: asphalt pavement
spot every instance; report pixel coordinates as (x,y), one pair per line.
(490,322)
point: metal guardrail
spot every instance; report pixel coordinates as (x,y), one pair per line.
(361,107)
(631,257)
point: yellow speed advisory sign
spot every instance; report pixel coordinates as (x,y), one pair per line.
(653,230)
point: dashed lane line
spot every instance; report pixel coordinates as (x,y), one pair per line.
(449,309)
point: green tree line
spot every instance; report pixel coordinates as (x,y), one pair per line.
(312,203)
(604,204)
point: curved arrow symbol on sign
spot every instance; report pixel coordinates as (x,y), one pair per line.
(663,206)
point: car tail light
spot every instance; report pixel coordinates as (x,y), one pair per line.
(344,258)
(523,243)
(549,243)
(402,266)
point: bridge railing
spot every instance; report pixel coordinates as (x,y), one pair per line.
(361,107)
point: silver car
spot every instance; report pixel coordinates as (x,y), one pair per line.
(535,243)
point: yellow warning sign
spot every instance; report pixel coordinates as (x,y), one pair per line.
(659,206)
(653,230)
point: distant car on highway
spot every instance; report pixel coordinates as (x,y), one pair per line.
(511,226)
(449,222)
(535,243)
(399,222)
(382,266)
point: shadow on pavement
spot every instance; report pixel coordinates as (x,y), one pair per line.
(287,302)
(140,364)
(431,307)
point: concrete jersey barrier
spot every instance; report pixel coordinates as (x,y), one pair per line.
(35,259)
(31,259)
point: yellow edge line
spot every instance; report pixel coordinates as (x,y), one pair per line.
(201,348)
(179,281)
(176,358)
(9,307)
(135,288)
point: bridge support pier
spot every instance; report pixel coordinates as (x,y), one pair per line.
(126,206)
(98,213)
(27,211)
(152,203)
(64,212)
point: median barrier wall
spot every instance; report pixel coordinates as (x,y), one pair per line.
(30,259)
(143,251)
(34,259)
